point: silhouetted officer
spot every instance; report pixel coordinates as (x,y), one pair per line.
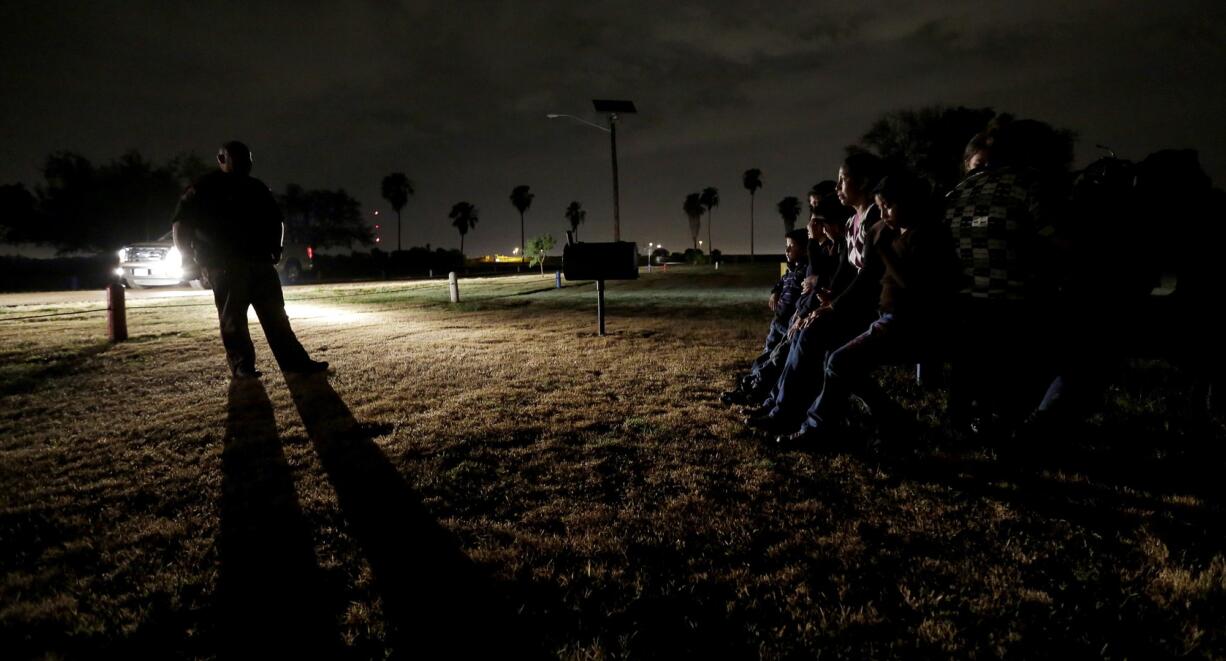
(229,225)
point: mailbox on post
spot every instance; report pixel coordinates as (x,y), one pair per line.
(618,260)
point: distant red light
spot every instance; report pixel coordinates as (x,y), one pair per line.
(310,252)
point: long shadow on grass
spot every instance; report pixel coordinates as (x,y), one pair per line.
(893,557)
(1077,623)
(437,601)
(1159,462)
(1122,480)
(272,598)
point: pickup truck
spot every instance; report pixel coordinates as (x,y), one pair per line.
(159,264)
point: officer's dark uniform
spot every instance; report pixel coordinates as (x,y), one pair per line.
(235,233)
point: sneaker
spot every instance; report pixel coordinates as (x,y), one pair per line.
(756,410)
(734,397)
(767,424)
(756,419)
(804,438)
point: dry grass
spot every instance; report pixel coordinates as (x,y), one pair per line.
(494,475)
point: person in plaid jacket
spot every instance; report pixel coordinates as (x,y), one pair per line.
(1004,234)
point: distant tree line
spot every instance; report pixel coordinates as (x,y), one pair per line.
(88,207)
(323,218)
(81,206)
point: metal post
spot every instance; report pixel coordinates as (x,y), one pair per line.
(453,283)
(557,279)
(600,305)
(617,227)
(116,313)
(751,227)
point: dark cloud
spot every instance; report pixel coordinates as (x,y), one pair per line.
(454,94)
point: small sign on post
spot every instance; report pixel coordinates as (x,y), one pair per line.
(618,260)
(116,313)
(600,307)
(453,283)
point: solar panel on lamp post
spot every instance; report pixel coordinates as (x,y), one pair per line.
(613,108)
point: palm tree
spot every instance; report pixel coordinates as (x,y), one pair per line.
(396,190)
(709,199)
(789,209)
(575,215)
(693,211)
(752,179)
(521,199)
(463,217)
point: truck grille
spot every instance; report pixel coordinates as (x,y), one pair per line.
(154,254)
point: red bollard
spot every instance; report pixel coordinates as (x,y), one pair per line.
(116,313)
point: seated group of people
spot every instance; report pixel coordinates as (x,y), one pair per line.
(888,273)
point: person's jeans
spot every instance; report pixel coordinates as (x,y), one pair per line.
(777,333)
(239,285)
(849,369)
(765,368)
(802,376)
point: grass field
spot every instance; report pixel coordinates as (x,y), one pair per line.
(492,477)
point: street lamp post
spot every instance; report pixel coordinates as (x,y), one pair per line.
(617,218)
(613,108)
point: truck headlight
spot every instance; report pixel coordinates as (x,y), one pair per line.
(123,254)
(172,258)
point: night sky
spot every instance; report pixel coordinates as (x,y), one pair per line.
(455,94)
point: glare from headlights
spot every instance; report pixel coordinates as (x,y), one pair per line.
(119,271)
(173,258)
(122,256)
